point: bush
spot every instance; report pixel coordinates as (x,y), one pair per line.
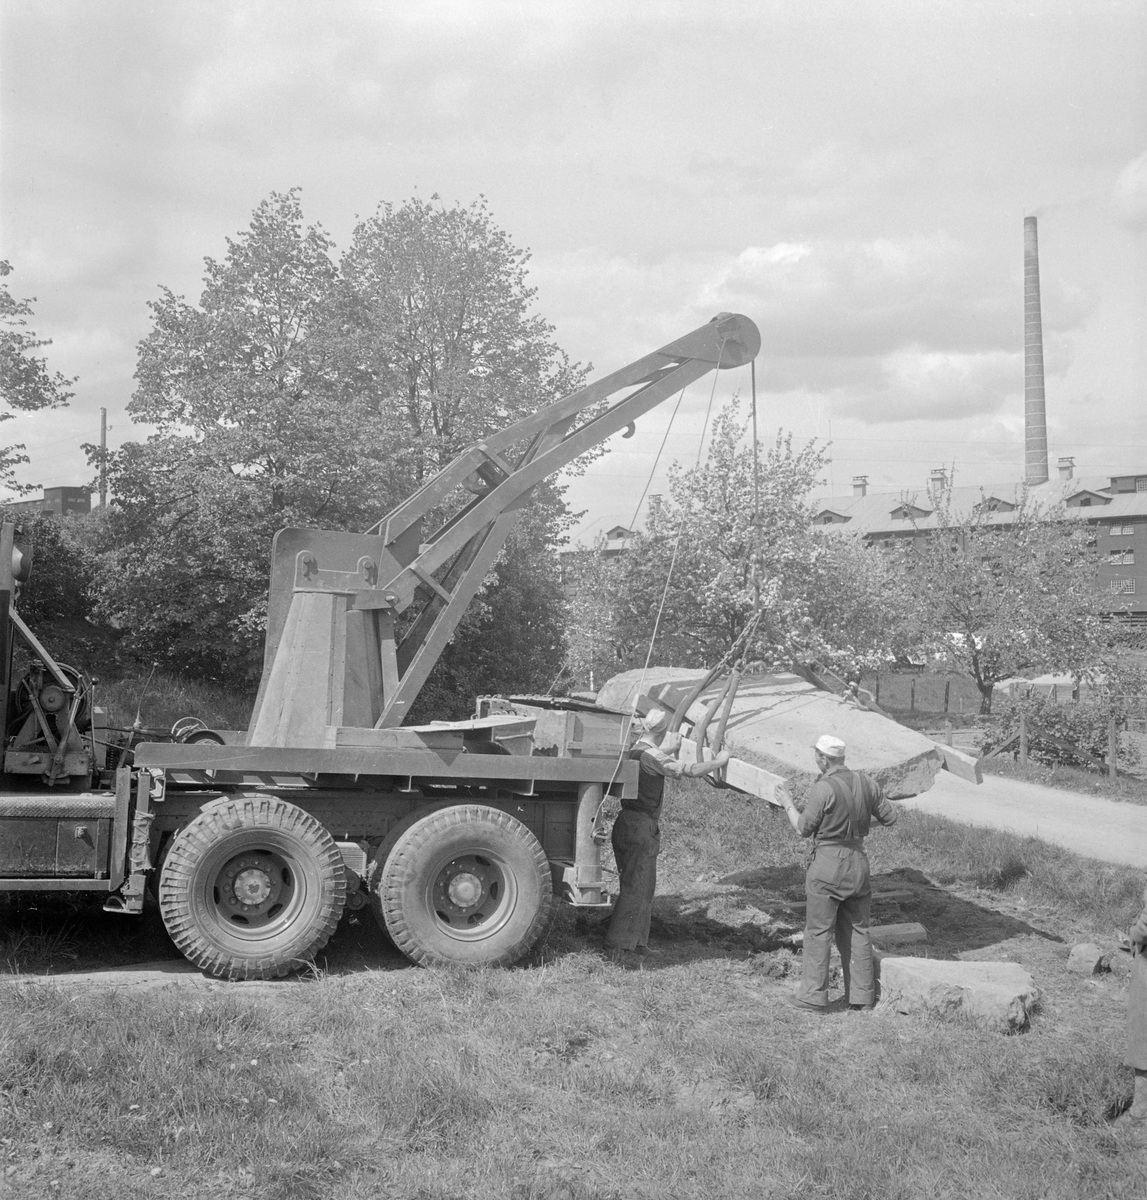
(1082,723)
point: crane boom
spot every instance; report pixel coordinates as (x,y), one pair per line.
(333,654)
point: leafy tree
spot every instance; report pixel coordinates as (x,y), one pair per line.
(442,326)
(996,599)
(437,319)
(729,555)
(301,391)
(25,381)
(254,431)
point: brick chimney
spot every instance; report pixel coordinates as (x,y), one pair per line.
(860,485)
(1035,411)
(1066,467)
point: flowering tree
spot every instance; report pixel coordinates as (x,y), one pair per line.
(724,548)
(997,595)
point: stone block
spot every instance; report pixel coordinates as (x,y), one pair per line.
(1085,959)
(906,933)
(966,766)
(776,718)
(997,996)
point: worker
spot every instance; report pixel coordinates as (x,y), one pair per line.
(1136,1116)
(637,835)
(840,807)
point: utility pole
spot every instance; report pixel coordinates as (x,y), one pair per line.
(103,458)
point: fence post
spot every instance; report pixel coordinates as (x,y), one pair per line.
(912,697)
(1023,740)
(947,692)
(1112,748)
(876,694)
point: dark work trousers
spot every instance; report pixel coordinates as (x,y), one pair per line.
(839,898)
(636,840)
(1137,1012)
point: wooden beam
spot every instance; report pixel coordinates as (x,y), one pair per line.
(743,776)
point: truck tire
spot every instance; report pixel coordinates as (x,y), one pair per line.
(252,888)
(467,885)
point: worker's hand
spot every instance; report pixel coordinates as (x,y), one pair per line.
(723,758)
(671,743)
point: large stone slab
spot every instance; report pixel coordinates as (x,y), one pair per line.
(775,720)
(998,996)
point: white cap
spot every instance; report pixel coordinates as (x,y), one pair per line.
(829,746)
(655,720)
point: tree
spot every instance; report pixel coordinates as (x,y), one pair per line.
(996,598)
(255,430)
(437,318)
(730,551)
(25,381)
(301,391)
(442,326)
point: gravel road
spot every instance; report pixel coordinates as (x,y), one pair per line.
(1090,825)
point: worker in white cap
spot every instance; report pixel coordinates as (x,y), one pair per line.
(636,837)
(840,807)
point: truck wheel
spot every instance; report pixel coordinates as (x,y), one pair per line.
(252,888)
(468,885)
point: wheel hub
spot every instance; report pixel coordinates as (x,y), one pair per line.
(465,889)
(468,891)
(252,886)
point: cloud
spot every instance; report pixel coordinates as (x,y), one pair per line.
(887,329)
(1129,198)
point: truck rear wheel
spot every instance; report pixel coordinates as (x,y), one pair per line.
(252,888)
(467,885)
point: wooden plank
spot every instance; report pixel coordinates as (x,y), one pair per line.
(1003,746)
(960,763)
(907,933)
(1063,744)
(743,776)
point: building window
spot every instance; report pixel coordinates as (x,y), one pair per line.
(1123,557)
(1122,530)
(1123,585)
(1141,484)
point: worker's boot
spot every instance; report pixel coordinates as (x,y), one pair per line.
(1136,1115)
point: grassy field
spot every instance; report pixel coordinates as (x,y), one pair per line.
(569,1079)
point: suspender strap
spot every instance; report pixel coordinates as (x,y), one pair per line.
(853,800)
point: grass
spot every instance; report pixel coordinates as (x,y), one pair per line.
(165,698)
(568,1078)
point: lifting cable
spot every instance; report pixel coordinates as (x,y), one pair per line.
(628,724)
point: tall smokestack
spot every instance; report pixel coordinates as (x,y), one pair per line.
(1035,412)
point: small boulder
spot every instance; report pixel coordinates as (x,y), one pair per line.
(1118,961)
(1085,959)
(995,995)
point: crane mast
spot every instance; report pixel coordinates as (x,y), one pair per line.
(336,654)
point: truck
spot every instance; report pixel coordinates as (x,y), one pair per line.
(460,836)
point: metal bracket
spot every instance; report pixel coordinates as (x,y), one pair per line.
(310,577)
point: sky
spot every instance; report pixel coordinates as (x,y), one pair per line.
(852,176)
